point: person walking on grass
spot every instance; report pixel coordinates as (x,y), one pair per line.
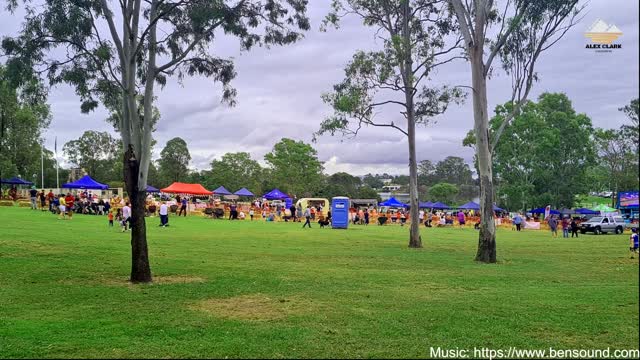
(461,219)
(307,215)
(633,242)
(517,221)
(164,214)
(574,228)
(553,225)
(565,227)
(183,206)
(33,194)
(126,216)
(63,208)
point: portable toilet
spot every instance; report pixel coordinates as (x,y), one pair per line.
(340,212)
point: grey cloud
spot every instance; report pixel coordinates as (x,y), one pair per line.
(279,96)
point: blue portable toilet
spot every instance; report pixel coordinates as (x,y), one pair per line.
(288,202)
(340,212)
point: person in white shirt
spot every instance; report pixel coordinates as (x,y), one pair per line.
(126,216)
(241,216)
(164,214)
(421,216)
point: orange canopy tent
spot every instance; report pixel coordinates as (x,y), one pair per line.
(184,188)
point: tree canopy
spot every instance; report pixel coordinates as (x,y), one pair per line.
(295,167)
(174,160)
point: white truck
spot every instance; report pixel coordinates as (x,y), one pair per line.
(603,224)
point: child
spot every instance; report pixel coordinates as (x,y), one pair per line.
(251,214)
(110,216)
(63,207)
(633,241)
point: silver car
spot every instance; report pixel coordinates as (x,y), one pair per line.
(603,224)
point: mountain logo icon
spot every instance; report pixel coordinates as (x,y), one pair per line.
(602,33)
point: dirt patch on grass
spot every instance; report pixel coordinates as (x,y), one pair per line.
(255,307)
(124,281)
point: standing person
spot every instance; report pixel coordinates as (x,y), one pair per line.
(50,197)
(33,193)
(517,221)
(69,200)
(110,217)
(299,212)
(63,207)
(429,219)
(183,206)
(361,216)
(312,211)
(574,228)
(565,227)
(421,216)
(633,241)
(366,216)
(279,211)
(251,213)
(164,214)
(307,215)
(553,224)
(461,219)
(126,216)
(292,209)
(43,200)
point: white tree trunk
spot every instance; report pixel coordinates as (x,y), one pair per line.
(487,237)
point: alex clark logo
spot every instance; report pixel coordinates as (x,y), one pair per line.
(602,36)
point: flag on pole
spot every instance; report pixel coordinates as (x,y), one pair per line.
(55,146)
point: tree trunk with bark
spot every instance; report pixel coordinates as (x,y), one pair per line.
(140,269)
(415,241)
(487,236)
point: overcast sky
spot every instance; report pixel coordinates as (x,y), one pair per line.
(279,96)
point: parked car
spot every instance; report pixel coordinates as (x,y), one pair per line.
(603,224)
(606,194)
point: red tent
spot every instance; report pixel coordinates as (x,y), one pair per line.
(184,188)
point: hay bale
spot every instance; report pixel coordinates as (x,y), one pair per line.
(6,203)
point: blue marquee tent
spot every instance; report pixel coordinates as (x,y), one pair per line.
(151,189)
(85,182)
(541,211)
(425,205)
(221,191)
(495,208)
(275,194)
(243,192)
(439,205)
(16,181)
(393,202)
(470,206)
(585,211)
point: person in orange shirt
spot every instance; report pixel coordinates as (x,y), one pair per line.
(361,216)
(110,217)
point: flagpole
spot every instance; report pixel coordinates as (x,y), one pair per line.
(55,148)
(42,165)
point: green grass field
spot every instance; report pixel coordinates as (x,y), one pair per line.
(242,289)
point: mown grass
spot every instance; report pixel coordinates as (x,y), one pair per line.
(242,289)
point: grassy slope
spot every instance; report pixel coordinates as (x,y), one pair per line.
(355,293)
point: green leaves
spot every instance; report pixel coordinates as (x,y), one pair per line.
(98,153)
(294,165)
(544,154)
(174,161)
